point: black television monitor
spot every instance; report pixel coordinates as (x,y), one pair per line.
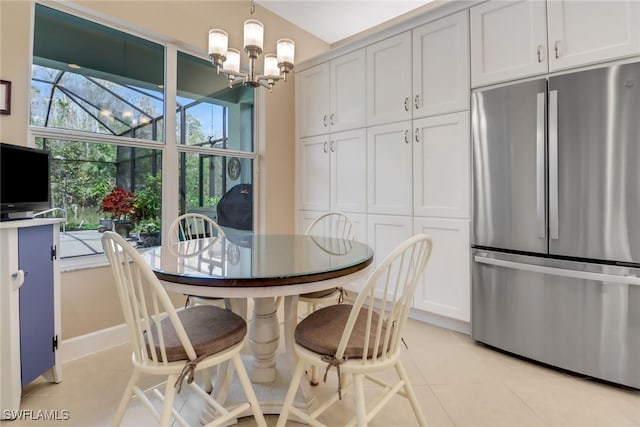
(25,185)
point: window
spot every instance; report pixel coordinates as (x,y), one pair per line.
(97,103)
(215,122)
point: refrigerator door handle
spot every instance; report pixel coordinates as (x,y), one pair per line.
(540,190)
(585,275)
(553,164)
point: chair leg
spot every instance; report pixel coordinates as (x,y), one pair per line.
(126,398)
(361,404)
(169,397)
(248,391)
(315,380)
(408,389)
(291,394)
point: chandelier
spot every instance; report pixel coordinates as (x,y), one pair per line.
(227,60)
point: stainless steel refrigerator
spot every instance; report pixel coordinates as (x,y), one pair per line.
(556,221)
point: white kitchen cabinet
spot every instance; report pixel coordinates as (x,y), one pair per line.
(445,285)
(441,166)
(508,40)
(313,101)
(348,158)
(441,66)
(333,172)
(582,32)
(314,172)
(385,232)
(348,107)
(413,167)
(331,96)
(514,39)
(389,169)
(389,77)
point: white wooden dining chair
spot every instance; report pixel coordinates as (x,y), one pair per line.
(191,226)
(362,339)
(174,345)
(332,224)
(335,225)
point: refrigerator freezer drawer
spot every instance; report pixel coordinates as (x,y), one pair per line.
(579,317)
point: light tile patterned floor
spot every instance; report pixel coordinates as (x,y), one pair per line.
(459,383)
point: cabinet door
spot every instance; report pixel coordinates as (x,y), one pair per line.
(389,80)
(508,40)
(348,107)
(389,169)
(441,153)
(441,66)
(445,284)
(582,32)
(313,100)
(385,232)
(313,176)
(349,171)
(36,302)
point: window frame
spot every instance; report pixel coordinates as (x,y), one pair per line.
(170,148)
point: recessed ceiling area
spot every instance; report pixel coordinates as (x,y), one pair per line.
(335,20)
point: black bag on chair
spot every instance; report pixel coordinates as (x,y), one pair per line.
(235,208)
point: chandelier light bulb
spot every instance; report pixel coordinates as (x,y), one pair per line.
(286,51)
(253,35)
(218,42)
(271,66)
(232,64)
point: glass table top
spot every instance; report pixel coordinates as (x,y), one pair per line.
(258,260)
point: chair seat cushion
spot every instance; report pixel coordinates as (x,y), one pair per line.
(211,329)
(321,331)
(320,294)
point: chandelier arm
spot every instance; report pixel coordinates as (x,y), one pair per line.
(268,86)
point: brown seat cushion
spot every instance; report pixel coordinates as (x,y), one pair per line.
(211,329)
(321,331)
(320,294)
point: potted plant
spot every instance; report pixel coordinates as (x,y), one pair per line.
(146,213)
(148,232)
(119,204)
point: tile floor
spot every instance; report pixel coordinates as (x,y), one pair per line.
(458,382)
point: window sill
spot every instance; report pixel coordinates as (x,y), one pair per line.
(83,263)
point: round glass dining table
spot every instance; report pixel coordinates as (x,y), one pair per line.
(264,268)
(257,265)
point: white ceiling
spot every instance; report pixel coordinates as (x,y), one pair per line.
(334,20)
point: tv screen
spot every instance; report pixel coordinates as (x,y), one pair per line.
(24,181)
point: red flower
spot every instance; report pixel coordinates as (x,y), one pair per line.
(119,203)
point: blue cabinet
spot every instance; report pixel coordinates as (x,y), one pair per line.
(36,252)
(29,307)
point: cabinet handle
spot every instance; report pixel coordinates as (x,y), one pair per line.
(417,135)
(324,120)
(19,278)
(324,147)
(331,119)
(406,136)
(332,145)
(557,49)
(406,104)
(540,54)
(416,101)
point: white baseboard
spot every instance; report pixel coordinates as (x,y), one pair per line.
(85,345)
(442,321)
